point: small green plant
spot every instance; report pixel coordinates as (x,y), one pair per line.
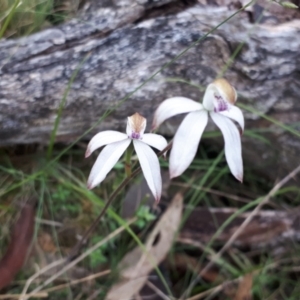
(144,216)
(62,201)
(97,257)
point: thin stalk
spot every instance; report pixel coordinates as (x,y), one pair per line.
(270,119)
(239,47)
(61,107)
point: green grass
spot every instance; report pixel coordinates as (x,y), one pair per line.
(57,179)
(22,17)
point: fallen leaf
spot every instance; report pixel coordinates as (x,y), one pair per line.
(17,250)
(127,288)
(137,264)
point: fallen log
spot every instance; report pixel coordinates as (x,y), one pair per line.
(123,44)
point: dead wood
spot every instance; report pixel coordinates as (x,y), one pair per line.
(268,230)
(124,44)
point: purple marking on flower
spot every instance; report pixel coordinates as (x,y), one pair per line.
(135,135)
(221,104)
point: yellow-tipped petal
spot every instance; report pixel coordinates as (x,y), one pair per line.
(136,125)
(226,90)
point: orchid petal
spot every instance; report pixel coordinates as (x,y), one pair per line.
(186,140)
(233,148)
(104,138)
(105,161)
(174,106)
(235,114)
(155,140)
(150,167)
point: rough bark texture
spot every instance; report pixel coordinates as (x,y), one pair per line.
(267,230)
(126,43)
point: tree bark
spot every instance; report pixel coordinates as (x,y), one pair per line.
(123,44)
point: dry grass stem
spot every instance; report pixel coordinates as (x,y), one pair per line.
(214,290)
(75,261)
(16,296)
(81,280)
(38,274)
(157,290)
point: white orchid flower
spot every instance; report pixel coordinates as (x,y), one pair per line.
(218,103)
(116,144)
